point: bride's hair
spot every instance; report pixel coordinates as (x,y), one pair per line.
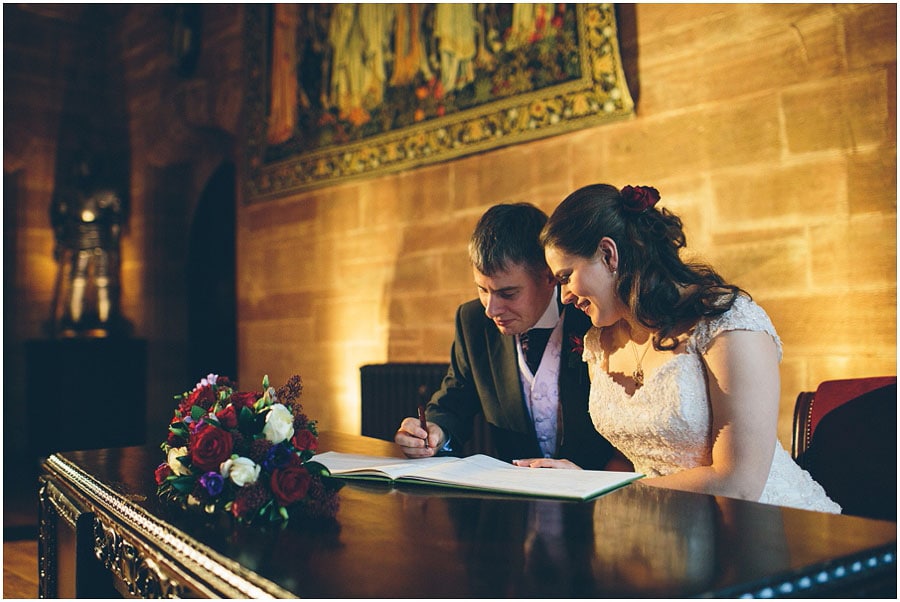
(664,292)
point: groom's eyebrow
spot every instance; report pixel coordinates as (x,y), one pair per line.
(506,289)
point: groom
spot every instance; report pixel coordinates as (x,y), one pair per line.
(516,357)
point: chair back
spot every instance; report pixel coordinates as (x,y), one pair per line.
(845,435)
(811,407)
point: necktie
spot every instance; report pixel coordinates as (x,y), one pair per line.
(533,343)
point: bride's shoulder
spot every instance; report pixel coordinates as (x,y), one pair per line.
(744,314)
(593,349)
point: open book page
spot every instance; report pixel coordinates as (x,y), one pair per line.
(341,464)
(479,472)
(485,472)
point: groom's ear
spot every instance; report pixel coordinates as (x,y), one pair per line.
(550,278)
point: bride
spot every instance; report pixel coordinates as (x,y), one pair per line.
(684,366)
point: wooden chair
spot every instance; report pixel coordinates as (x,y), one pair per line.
(390,392)
(845,435)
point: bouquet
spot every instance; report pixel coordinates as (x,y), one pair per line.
(247,453)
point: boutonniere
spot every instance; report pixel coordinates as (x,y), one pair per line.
(576,349)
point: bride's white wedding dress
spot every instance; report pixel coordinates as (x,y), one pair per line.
(665,427)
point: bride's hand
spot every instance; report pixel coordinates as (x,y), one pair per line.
(547,463)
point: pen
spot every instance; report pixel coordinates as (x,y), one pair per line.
(422,422)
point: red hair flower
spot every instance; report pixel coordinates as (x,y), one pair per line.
(637,199)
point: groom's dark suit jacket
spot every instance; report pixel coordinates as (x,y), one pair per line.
(484,377)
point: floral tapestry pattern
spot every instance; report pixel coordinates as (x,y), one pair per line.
(341,91)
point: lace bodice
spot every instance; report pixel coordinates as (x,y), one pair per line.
(665,427)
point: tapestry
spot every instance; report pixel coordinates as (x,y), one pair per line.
(342,91)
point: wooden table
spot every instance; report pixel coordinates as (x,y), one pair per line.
(104,532)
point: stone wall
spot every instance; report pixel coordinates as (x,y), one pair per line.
(179,128)
(770,128)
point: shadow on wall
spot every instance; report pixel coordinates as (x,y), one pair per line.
(626,24)
(210,271)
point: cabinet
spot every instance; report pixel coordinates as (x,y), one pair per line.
(85,393)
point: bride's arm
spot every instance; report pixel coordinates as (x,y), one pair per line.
(744,386)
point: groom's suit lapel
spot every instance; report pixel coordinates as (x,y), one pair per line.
(504,364)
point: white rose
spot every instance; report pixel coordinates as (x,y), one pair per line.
(279,424)
(242,471)
(172,460)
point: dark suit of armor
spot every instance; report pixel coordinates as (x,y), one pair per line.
(87,221)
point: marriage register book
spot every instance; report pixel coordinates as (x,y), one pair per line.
(478,472)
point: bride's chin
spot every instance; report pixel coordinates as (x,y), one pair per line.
(602,321)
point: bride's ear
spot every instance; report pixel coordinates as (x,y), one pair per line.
(608,253)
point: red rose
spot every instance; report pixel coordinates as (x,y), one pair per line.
(228,417)
(244,399)
(210,446)
(204,397)
(290,484)
(162,471)
(638,199)
(304,440)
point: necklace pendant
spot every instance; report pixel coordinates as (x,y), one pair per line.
(638,376)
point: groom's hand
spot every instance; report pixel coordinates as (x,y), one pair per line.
(416,442)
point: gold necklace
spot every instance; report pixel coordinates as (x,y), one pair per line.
(638,374)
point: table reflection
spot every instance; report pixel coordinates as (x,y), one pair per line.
(410,541)
(645,535)
(524,548)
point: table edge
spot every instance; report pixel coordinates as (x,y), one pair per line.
(140,530)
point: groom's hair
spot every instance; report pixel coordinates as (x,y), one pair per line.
(507,235)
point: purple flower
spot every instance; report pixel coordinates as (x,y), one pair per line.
(213,482)
(278,457)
